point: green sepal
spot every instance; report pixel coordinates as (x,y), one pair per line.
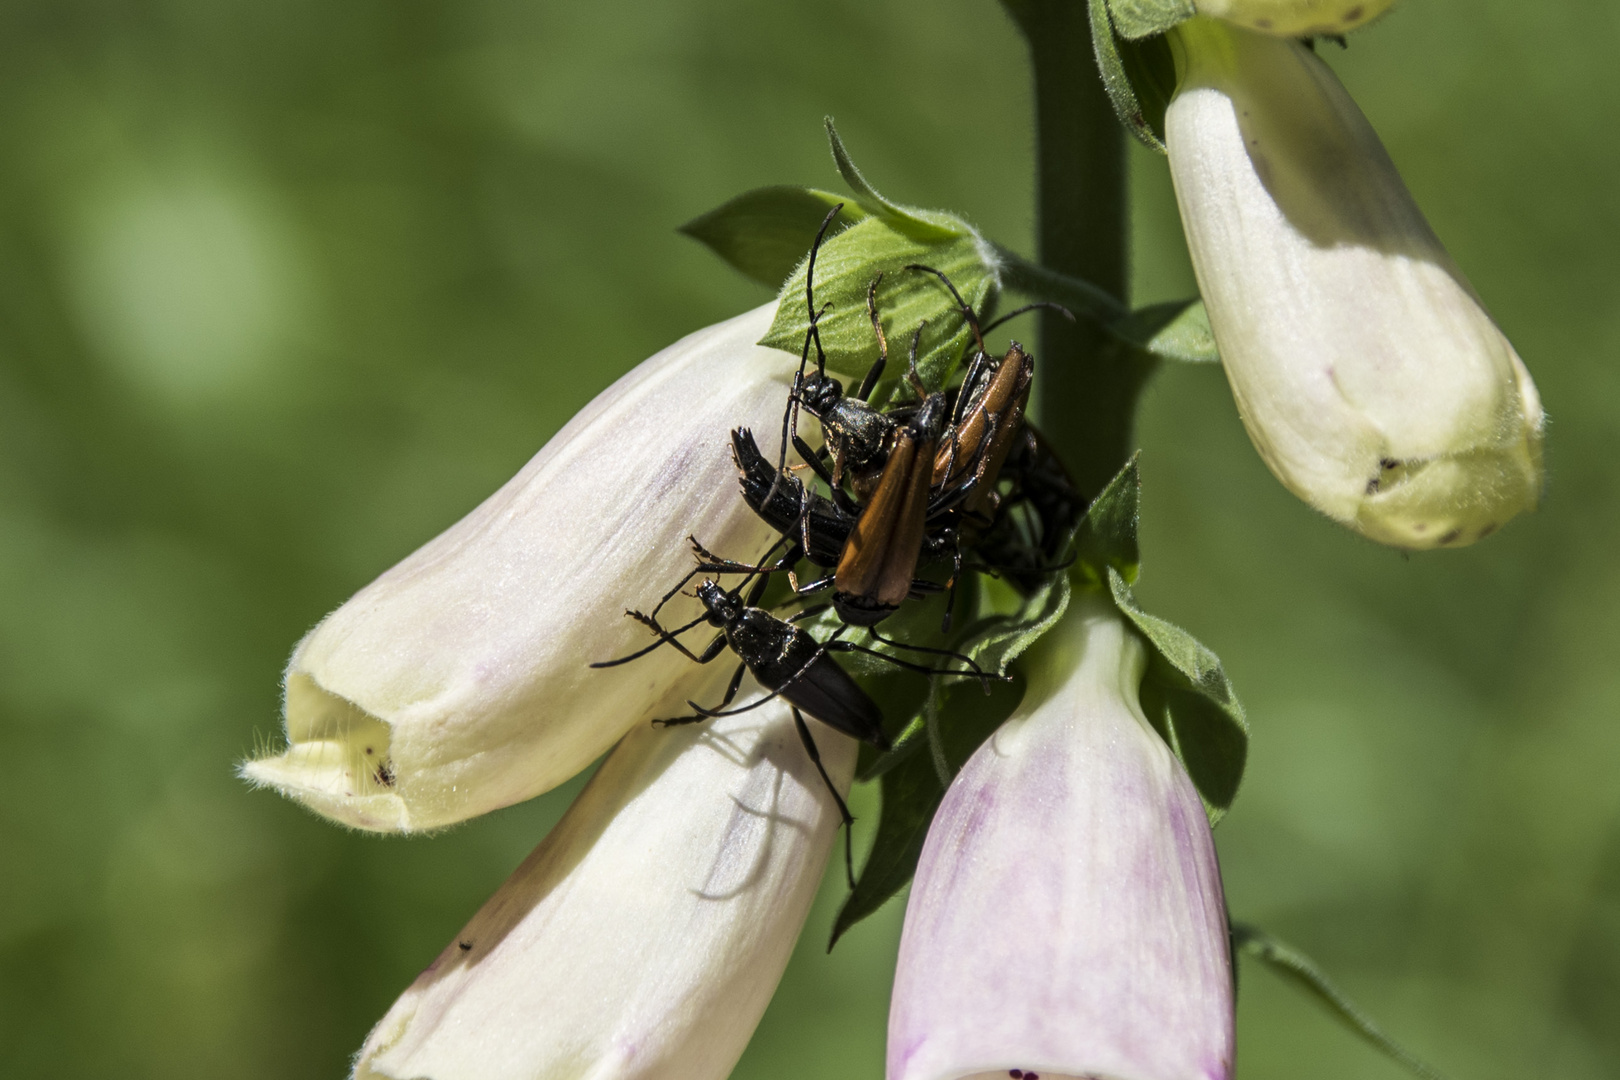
(1177,330)
(764,233)
(1136,64)
(1303,972)
(1106,538)
(1105,47)
(925,225)
(1141,18)
(1188,698)
(847,264)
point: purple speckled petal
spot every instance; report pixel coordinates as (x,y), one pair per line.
(1067,919)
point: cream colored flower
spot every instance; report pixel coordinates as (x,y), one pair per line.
(1365,368)
(644,937)
(458,682)
(1296,18)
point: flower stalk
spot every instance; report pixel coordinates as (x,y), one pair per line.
(1085,402)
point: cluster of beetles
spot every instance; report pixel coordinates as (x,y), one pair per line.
(951,479)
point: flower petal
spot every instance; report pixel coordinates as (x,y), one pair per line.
(458,681)
(1367,372)
(645,935)
(1296,18)
(1067,918)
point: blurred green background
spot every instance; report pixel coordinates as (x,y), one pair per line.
(287,288)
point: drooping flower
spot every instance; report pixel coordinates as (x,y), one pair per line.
(458,681)
(1366,370)
(1296,18)
(1067,919)
(645,935)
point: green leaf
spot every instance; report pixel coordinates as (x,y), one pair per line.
(1139,18)
(996,640)
(1299,969)
(846,266)
(1106,538)
(1117,79)
(1186,694)
(766,232)
(1177,330)
(925,225)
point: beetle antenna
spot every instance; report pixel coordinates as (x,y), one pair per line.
(967,312)
(1059,308)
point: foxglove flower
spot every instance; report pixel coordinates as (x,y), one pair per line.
(645,935)
(458,682)
(1366,370)
(1066,919)
(1296,18)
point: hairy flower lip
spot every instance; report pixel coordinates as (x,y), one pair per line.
(1067,917)
(458,681)
(645,935)
(1365,368)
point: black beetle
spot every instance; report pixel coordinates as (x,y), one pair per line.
(789,662)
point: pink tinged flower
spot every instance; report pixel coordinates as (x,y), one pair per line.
(458,682)
(1366,370)
(645,935)
(1066,919)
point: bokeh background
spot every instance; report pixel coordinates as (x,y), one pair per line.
(285,288)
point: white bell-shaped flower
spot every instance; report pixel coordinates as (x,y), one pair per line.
(644,937)
(1296,18)
(459,681)
(1066,919)
(1365,368)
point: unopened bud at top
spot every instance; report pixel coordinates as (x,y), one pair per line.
(1365,368)
(1296,18)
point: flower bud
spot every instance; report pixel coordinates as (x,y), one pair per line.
(1296,18)
(645,935)
(458,681)
(1067,919)
(1367,372)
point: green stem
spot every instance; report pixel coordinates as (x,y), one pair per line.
(1088,385)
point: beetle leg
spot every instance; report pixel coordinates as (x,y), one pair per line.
(911,366)
(975,369)
(869,383)
(843,807)
(702,714)
(950,601)
(814,609)
(712,564)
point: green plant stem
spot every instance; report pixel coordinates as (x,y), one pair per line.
(1088,385)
